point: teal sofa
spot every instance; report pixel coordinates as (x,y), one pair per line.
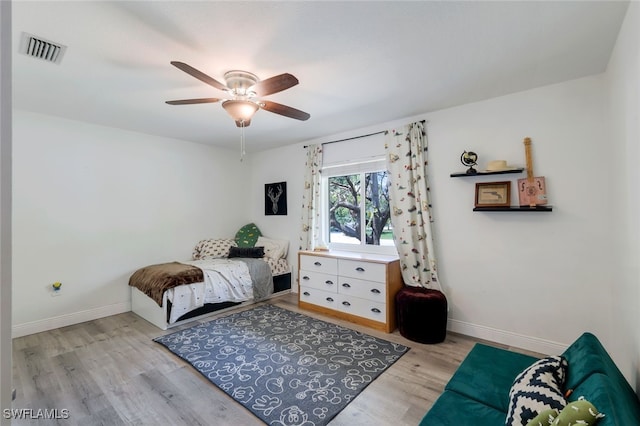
(478,392)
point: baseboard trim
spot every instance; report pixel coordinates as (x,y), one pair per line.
(506,337)
(462,327)
(33,327)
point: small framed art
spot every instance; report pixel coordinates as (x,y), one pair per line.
(493,194)
(275,199)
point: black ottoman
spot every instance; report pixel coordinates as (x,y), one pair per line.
(422,314)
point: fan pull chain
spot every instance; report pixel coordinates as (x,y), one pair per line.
(242,145)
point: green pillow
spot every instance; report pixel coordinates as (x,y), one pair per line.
(247,235)
(545,418)
(580,412)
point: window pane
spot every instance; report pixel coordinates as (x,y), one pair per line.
(377,224)
(344,209)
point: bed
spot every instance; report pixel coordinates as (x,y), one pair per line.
(219,276)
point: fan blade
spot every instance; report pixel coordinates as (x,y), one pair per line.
(199,75)
(287,111)
(194,101)
(274,84)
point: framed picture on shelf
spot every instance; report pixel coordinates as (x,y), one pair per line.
(493,194)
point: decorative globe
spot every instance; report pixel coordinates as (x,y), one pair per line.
(469,159)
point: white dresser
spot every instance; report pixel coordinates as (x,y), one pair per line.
(357,287)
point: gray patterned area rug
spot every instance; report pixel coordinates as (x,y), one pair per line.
(284,367)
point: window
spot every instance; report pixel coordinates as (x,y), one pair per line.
(356,211)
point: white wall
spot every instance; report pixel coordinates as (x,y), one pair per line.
(5,208)
(92,204)
(623,88)
(284,164)
(534,280)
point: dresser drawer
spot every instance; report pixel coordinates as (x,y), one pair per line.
(319,280)
(319,297)
(362,270)
(362,308)
(370,290)
(325,265)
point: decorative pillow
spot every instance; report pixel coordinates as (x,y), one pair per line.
(537,388)
(247,235)
(275,249)
(255,252)
(213,248)
(577,413)
(545,418)
(580,412)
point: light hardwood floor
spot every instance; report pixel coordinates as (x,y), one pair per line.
(109,372)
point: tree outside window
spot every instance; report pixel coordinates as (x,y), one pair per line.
(359,209)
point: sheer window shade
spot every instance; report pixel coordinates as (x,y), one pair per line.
(361,150)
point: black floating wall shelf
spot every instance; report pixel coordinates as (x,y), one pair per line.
(502,172)
(514,209)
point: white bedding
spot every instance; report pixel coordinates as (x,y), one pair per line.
(224,280)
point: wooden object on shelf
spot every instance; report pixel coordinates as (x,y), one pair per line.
(356,287)
(501,172)
(532,191)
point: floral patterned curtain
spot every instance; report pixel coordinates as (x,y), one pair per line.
(310,233)
(409,200)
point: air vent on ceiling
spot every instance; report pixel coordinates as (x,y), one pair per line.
(37,47)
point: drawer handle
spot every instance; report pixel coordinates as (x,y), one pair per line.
(306,278)
(329,299)
(345,303)
(360,269)
(328,282)
(347,285)
(317,263)
(375,291)
(375,310)
(306,293)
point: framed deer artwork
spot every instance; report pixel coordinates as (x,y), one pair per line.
(275,199)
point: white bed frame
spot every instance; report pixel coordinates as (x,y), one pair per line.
(145,307)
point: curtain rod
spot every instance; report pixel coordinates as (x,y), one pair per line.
(348,139)
(356,137)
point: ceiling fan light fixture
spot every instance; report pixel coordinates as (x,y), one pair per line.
(240,110)
(239,82)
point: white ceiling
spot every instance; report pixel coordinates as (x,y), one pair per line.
(359,63)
